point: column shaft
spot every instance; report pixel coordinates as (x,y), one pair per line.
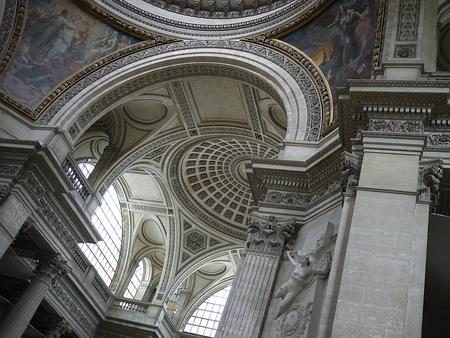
(250,296)
(17,320)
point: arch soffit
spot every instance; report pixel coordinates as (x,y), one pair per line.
(270,65)
(193,267)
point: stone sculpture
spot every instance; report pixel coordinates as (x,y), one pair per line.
(307,268)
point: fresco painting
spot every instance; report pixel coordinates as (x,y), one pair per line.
(340,40)
(59,40)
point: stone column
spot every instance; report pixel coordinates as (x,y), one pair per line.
(382,285)
(251,292)
(16,321)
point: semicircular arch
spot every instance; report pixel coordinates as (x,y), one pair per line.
(271,65)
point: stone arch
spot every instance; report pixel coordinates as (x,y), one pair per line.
(279,69)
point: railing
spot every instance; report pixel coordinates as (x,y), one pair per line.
(76,177)
(101,288)
(79,258)
(131,305)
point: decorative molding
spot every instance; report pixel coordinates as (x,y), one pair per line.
(73,308)
(307,76)
(396,126)
(183,104)
(295,13)
(194,241)
(11,28)
(118,23)
(227,10)
(405,51)
(253,110)
(292,200)
(379,38)
(408,20)
(440,140)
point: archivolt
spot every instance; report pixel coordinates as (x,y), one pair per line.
(277,68)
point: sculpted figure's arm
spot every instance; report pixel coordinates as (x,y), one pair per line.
(291,259)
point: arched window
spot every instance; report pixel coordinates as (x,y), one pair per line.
(136,280)
(107,219)
(205,320)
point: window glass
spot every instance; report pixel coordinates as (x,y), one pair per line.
(135,281)
(107,220)
(206,318)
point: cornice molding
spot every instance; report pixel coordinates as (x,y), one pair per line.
(286,17)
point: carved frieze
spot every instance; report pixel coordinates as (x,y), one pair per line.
(303,200)
(405,51)
(396,126)
(77,314)
(438,140)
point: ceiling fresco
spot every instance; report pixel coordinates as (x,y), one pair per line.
(59,39)
(340,40)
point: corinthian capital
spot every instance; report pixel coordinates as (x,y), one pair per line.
(52,267)
(269,234)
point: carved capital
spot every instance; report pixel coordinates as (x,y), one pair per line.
(270,235)
(351,167)
(430,175)
(5,191)
(62,328)
(52,267)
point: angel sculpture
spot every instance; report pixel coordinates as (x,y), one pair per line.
(307,268)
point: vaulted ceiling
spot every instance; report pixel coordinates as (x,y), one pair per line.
(194,137)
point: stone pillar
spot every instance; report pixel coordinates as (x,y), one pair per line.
(350,177)
(16,321)
(381,292)
(251,292)
(13,214)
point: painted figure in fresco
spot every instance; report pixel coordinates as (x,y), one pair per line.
(57,39)
(340,41)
